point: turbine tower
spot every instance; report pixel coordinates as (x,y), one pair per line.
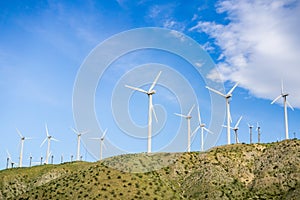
(101,139)
(79,134)
(22,147)
(203,128)
(250,131)
(150,92)
(188,117)
(48,138)
(227,97)
(285,103)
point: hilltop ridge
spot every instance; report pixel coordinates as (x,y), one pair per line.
(240,171)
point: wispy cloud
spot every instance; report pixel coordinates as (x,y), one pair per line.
(260,45)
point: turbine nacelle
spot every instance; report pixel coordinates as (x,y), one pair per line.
(151,92)
(228,96)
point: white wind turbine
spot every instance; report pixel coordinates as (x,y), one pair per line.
(48,138)
(258,132)
(236,128)
(188,117)
(250,131)
(150,92)
(203,128)
(79,134)
(101,139)
(22,147)
(227,97)
(9,160)
(285,103)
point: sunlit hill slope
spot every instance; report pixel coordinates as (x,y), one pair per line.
(242,171)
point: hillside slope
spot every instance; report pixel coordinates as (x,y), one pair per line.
(242,171)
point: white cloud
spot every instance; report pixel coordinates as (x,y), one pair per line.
(260,45)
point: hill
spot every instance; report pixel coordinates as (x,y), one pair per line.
(242,171)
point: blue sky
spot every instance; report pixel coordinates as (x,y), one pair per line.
(44,43)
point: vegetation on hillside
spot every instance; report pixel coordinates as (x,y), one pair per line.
(242,171)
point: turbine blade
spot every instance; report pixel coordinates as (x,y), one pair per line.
(154,113)
(208,130)
(56,140)
(19,133)
(154,82)
(84,132)
(8,154)
(104,133)
(216,91)
(95,138)
(75,131)
(288,103)
(180,115)
(229,116)
(281,86)
(137,89)
(196,130)
(189,114)
(47,132)
(104,145)
(276,99)
(238,122)
(199,116)
(230,92)
(43,142)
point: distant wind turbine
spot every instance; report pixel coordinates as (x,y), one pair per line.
(101,139)
(9,160)
(227,97)
(203,128)
(236,128)
(250,132)
(188,117)
(79,134)
(258,132)
(22,147)
(150,92)
(285,103)
(48,138)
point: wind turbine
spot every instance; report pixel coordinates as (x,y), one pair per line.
(48,138)
(22,147)
(258,133)
(79,134)
(150,92)
(227,97)
(188,117)
(101,139)
(285,103)
(9,160)
(250,131)
(236,128)
(203,128)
